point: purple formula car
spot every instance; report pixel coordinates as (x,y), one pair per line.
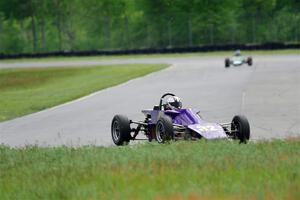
(169,121)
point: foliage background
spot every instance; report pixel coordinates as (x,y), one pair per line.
(64,25)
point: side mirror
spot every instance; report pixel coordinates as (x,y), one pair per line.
(198,113)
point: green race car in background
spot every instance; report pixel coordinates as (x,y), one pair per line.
(238,59)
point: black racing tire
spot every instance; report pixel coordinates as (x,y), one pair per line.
(241,125)
(227,62)
(120,130)
(164,129)
(249,61)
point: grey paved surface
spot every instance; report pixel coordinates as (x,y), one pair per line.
(268,93)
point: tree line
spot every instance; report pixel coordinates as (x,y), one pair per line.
(65,25)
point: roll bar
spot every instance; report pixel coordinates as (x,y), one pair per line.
(163,96)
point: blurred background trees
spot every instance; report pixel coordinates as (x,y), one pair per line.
(64,25)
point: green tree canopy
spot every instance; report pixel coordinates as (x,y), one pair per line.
(53,25)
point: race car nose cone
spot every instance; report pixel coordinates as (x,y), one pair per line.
(209,130)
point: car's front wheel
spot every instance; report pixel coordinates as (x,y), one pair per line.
(249,61)
(164,129)
(227,62)
(120,130)
(240,126)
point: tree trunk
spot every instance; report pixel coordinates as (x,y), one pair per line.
(190,32)
(33,30)
(297,28)
(233,34)
(126,42)
(43,34)
(58,20)
(107,31)
(71,35)
(59,34)
(211,34)
(1,48)
(253,30)
(170,33)
(148,36)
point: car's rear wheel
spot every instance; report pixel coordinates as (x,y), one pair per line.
(241,127)
(249,61)
(227,62)
(164,129)
(120,130)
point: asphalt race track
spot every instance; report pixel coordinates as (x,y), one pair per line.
(268,93)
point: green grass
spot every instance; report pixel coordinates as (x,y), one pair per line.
(180,170)
(213,53)
(25,91)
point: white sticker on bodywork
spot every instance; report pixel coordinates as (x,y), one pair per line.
(209,130)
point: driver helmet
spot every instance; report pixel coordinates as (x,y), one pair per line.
(237,53)
(174,103)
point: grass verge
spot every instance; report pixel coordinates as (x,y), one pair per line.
(25,91)
(180,170)
(111,57)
